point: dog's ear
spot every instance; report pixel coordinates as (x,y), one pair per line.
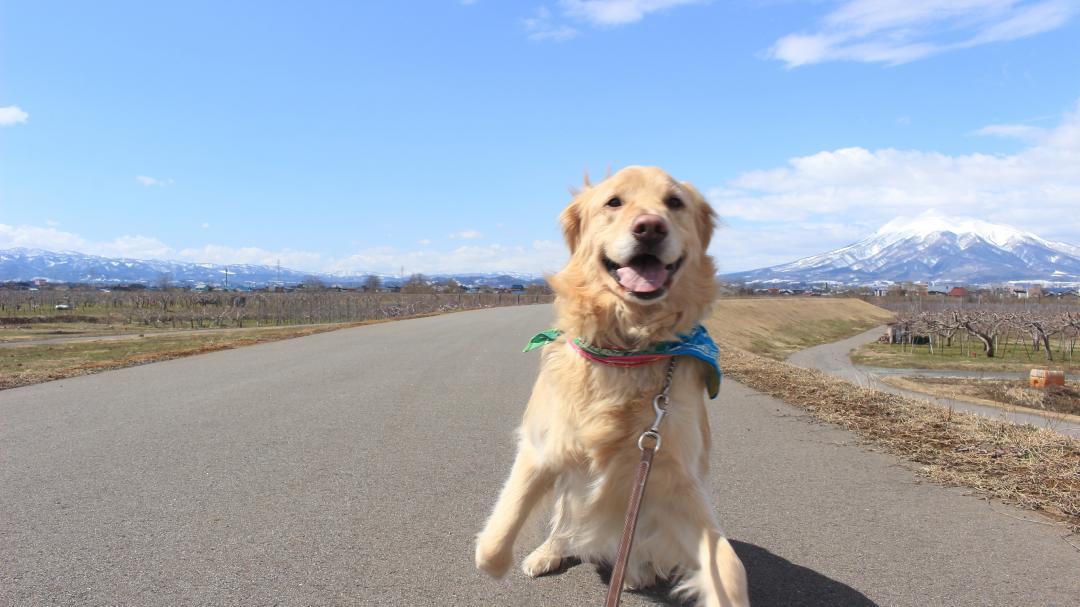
(706,220)
(571,223)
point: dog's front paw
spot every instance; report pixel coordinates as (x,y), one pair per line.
(541,561)
(491,558)
(640,580)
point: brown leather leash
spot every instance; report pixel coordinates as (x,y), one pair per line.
(660,403)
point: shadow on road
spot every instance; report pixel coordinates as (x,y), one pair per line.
(774,582)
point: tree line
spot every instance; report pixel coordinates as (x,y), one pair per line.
(1037,329)
(194,309)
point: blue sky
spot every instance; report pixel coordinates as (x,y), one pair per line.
(442,136)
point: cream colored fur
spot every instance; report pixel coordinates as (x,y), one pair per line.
(578,437)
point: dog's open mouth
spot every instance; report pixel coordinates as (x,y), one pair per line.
(645,276)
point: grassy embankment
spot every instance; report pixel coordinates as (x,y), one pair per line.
(1031,467)
(778,327)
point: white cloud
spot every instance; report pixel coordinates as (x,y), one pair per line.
(899,31)
(1025,132)
(1037,188)
(205,225)
(616,12)
(226,255)
(12,114)
(33,237)
(538,257)
(542,26)
(152,181)
(466,235)
(423,241)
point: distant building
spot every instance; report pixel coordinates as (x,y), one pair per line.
(958,292)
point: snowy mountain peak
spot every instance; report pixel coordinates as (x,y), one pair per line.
(932,222)
(932,247)
(67,266)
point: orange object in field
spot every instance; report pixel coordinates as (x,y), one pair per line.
(1041,378)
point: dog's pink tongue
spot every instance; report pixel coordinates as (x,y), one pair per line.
(644,279)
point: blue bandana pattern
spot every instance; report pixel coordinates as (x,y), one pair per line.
(697,344)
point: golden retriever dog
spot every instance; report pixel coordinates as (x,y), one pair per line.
(638,275)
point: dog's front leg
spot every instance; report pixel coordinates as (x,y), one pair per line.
(718,577)
(527,484)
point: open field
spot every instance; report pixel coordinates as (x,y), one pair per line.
(23,312)
(777,327)
(1014,394)
(60,330)
(967,357)
(1032,467)
(108,331)
(31,364)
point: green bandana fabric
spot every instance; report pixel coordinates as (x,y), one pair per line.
(697,344)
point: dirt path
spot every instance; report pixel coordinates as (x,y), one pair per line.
(834,359)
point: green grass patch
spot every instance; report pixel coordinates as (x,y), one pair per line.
(1011,357)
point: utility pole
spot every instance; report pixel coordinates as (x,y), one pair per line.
(226,277)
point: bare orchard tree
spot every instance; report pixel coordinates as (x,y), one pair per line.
(417,283)
(372,283)
(540,288)
(984,325)
(1039,327)
(313,282)
(943,325)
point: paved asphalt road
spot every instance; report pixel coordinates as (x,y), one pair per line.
(354,467)
(833,359)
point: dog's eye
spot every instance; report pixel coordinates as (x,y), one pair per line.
(673,202)
(614,202)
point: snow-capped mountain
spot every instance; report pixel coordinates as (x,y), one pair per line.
(933,248)
(73,267)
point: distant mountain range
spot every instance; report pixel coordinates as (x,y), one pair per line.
(72,267)
(933,248)
(928,248)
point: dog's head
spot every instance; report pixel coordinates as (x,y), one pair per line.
(638,244)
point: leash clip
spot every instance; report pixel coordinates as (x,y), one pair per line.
(659,404)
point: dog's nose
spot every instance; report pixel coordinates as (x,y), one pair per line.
(649,229)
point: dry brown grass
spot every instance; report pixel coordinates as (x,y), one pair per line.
(33,364)
(1031,467)
(1015,394)
(777,327)
(1034,468)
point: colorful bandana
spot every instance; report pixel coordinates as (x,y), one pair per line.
(697,344)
